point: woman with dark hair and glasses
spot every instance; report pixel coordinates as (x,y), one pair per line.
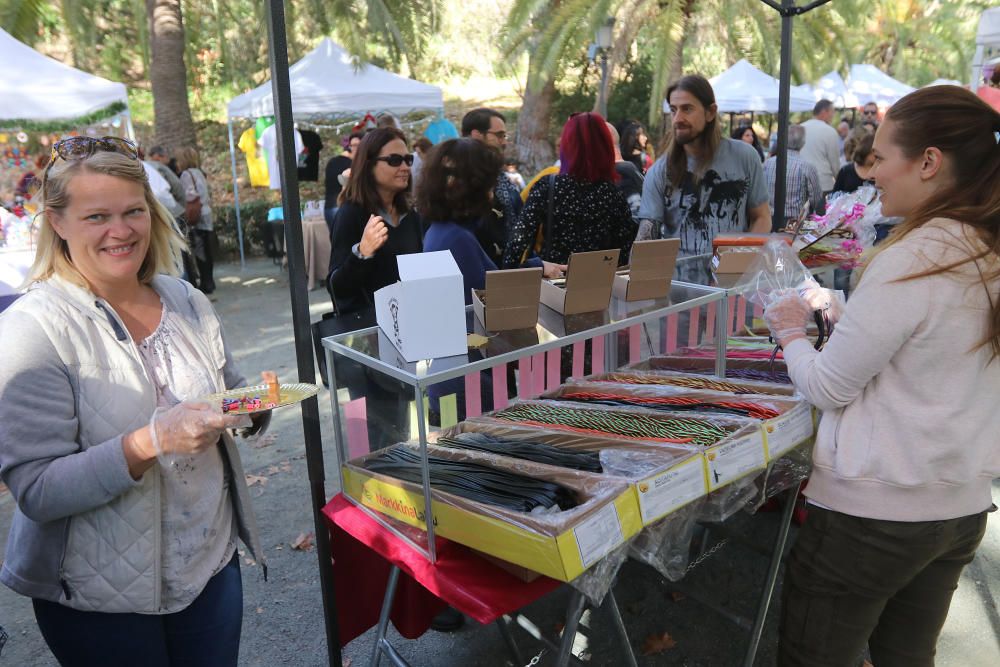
(588,211)
(130,496)
(374,221)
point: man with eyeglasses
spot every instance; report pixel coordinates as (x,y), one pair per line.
(490,127)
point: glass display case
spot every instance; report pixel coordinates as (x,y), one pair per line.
(379,399)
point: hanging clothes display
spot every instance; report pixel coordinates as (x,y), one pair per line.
(309,159)
(256,164)
(269,143)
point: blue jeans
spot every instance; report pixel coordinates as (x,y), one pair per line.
(206,633)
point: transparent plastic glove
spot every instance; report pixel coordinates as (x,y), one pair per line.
(187,429)
(787,317)
(830,302)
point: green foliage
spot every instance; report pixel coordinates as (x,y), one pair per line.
(253,215)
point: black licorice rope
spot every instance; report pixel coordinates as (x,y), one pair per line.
(538,452)
(689,382)
(623,424)
(483,484)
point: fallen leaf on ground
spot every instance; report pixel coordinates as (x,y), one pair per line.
(655,644)
(347,662)
(260,610)
(304,542)
(677,596)
(256,479)
(249,561)
(265,440)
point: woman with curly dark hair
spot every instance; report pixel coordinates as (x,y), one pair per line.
(456,190)
(746,134)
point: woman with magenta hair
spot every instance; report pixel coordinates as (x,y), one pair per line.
(587,211)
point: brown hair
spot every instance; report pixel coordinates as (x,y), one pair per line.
(457,179)
(862,149)
(187,158)
(361,189)
(711,137)
(972,197)
(52,256)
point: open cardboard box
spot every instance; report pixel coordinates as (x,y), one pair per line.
(561,545)
(587,286)
(793,425)
(663,477)
(651,269)
(510,300)
(706,366)
(753,386)
(736,455)
(732,254)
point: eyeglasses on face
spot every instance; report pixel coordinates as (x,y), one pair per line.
(395,159)
(500,134)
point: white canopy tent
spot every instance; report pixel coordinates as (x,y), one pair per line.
(37,88)
(870,84)
(743,87)
(987,44)
(831,86)
(328,83)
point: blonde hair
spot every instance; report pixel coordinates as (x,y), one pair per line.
(52,256)
(187,158)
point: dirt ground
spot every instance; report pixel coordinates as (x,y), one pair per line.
(283,617)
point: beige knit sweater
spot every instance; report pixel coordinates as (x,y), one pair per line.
(911,403)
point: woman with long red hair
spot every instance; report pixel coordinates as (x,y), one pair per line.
(587,211)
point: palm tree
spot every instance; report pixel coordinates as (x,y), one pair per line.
(403,27)
(168,75)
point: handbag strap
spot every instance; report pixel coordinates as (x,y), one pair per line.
(547,230)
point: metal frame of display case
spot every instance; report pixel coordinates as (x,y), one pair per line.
(619,316)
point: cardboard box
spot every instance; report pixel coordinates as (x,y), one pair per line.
(793,425)
(665,478)
(738,454)
(732,254)
(587,286)
(511,299)
(423,314)
(650,270)
(754,386)
(561,546)
(388,353)
(706,366)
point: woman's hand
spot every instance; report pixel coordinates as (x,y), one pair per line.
(551,270)
(374,237)
(186,429)
(787,317)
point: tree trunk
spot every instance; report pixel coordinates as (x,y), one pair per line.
(532,147)
(168,75)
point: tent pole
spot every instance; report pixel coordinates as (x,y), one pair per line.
(281,90)
(787,9)
(236,195)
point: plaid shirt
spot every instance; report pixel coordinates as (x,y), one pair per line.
(802,185)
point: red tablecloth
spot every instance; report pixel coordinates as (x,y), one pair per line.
(363,552)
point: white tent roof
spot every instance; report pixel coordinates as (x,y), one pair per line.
(989,27)
(743,87)
(870,84)
(36,87)
(326,82)
(831,86)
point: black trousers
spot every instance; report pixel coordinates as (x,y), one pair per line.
(201,241)
(852,581)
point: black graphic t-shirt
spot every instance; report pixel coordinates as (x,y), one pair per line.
(733,184)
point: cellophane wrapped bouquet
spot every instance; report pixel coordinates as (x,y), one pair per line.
(842,235)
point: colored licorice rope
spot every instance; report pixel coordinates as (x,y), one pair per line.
(529,450)
(743,408)
(689,382)
(622,424)
(780,377)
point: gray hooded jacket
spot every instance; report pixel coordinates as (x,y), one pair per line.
(72,384)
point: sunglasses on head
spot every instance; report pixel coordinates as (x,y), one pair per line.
(81,148)
(396,159)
